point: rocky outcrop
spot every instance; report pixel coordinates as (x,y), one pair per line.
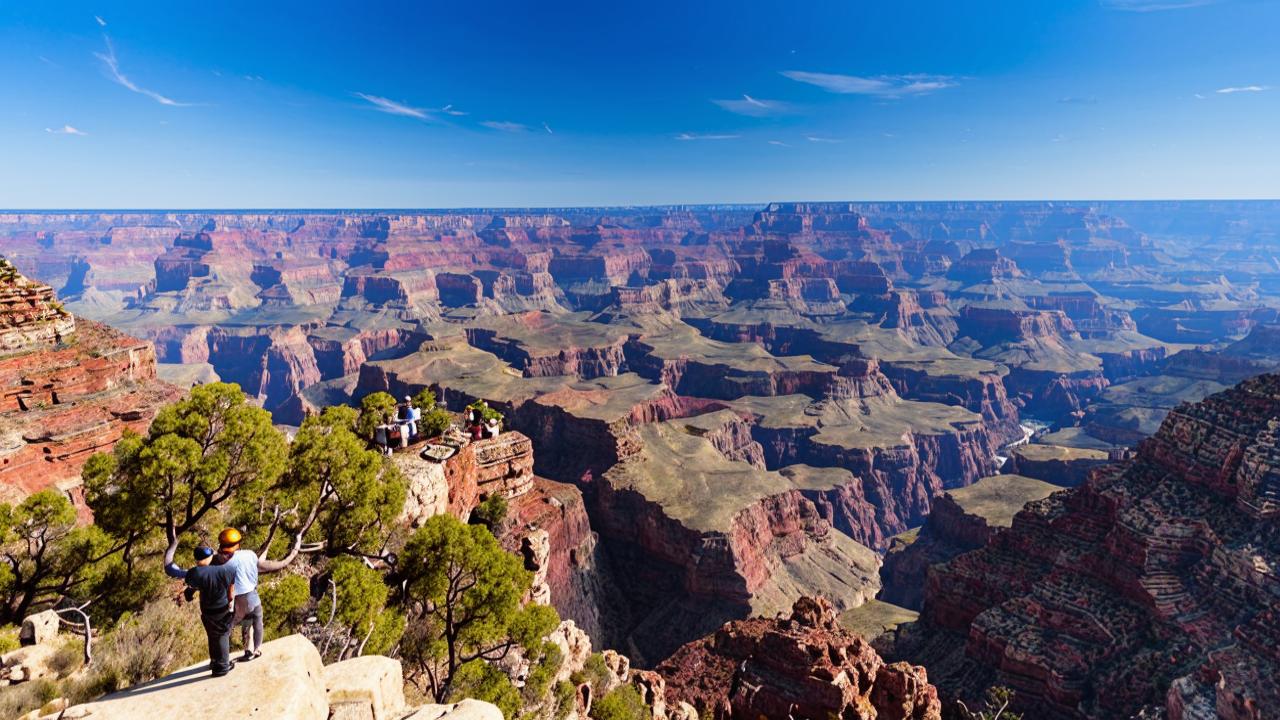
(1152,585)
(960,521)
(802,666)
(68,389)
(288,682)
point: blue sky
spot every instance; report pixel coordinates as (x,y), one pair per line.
(481,103)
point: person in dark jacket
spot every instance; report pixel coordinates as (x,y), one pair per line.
(216,586)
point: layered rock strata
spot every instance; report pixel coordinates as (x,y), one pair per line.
(801,666)
(1151,586)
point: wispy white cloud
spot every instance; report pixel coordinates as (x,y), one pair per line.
(101,22)
(391,107)
(880,85)
(754,107)
(547,127)
(66,130)
(113,65)
(450,110)
(699,136)
(1242,89)
(505,126)
(779,143)
(820,139)
(1153,5)
(1078,100)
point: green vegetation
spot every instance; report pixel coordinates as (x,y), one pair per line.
(152,643)
(621,703)
(375,409)
(434,422)
(486,413)
(321,510)
(491,512)
(199,455)
(285,600)
(464,591)
(44,556)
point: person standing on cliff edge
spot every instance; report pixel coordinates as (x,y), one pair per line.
(248,607)
(217,589)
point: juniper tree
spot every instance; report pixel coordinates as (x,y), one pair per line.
(462,593)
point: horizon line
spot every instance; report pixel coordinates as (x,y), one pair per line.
(616,206)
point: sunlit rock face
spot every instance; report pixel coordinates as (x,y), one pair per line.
(68,388)
(1152,585)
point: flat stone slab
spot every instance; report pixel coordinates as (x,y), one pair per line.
(286,683)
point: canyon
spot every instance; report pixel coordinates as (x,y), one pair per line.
(714,412)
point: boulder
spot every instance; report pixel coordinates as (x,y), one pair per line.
(574,644)
(28,663)
(465,710)
(365,688)
(39,628)
(286,683)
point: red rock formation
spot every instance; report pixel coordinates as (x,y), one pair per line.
(805,666)
(68,389)
(1147,586)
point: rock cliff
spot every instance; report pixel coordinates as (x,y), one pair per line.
(1152,585)
(68,388)
(801,666)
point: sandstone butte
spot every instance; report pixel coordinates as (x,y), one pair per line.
(1153,587)
(69,387)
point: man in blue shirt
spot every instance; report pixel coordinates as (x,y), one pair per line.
(248,607)
(216,587)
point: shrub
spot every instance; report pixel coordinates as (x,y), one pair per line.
(17,700)
(542,673)
(68,657)
(425,400)
(490,512)
(594,672)
(151,644)
(566,696)
(375,408)
(9,638)
(621,703)
(435,421)
(284,600)
(482,681)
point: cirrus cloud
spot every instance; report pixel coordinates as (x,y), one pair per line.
(879,85)
(505,126)
(703,136)
(755,107)
(391,107)
(113,66)
(1242,89)
(66,130)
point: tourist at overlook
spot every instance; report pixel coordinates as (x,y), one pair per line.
(248,606)
(216,587)
(409,417)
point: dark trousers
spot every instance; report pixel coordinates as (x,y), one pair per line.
(217,626)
